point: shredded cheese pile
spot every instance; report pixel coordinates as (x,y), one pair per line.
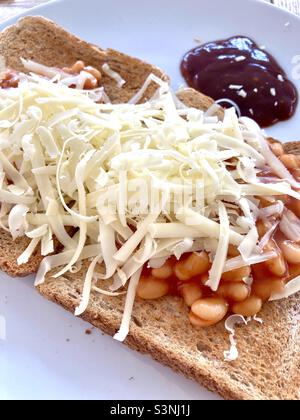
(123,185)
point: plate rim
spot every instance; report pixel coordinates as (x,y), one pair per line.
(27,12)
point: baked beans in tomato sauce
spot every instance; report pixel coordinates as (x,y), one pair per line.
(242,291)
(11,78)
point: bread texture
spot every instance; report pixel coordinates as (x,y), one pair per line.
(10,250)
(43,41)
(269,364)
(268,367)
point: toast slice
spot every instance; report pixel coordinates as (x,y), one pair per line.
(268,367)
(43,41)
(269,364)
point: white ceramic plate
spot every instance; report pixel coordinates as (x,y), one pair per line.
(46,354)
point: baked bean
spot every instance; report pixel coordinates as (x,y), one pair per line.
(249,307)
(9,79)
(233,251)
(294,205)
(204,278)
(210,309)
(191,292)
(78,67)
(264,202)
(294,271)
(290,251)
(286,199)
(237,275)
(195,265)
(152,288)
(75,69)
(296,173)
(277,149)
(198,322)
(234,291)
(94,72)
(290,161)
(264,287)
(277,265)
(91,83)
(263,226)
(163,272)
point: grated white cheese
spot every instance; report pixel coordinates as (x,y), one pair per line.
(242,93)
(87,287)
(218,265)
(232,354)
(137,183)
(240,58)
(17,223)
(230,102)
(130,297)
(236,87)
(290,289)
(231,322)
(182,247)
(113,75)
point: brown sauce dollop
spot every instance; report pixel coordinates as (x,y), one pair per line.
(237,69)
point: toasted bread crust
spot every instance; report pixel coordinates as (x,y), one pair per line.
(292,147)
(10,250)
(41,40)
(193,99)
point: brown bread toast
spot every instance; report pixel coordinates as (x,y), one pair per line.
(269,361)
(268,367)
(41,40)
